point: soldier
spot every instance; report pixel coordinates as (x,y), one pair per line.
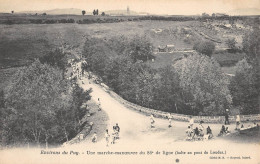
(107,137)
(99,105)
(189,133)
(94,137)
(152,121)
(237,122)
(170,120)
(117,130)
(226,117)
(191,122)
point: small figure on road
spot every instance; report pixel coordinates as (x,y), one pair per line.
(191,122)
(117,130)
(115,135)
(227,131)
(189,133)
(94,137)
(226,117)
(222,131)
(196,133)
(201,128)
(237,122)
(152,121)
(99,105)
(81,136)
(107,137)
(209,133)
(170,120)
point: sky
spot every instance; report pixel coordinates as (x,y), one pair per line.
(170,7)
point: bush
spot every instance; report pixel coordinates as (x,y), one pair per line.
(206,47)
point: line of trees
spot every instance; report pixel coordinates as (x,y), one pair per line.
(40,106)
(195,85)
(95,12)
(245,85)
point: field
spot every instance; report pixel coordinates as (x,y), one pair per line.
(20,44)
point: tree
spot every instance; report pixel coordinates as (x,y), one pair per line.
(103,14)
(244,87)
(43,105)
(83,12)
(94,12)
(97,12)
(56,59)
(168,93)
(97,53)
(204,47)
(2,99)
(251,46)
(12,12)
(139,48)
(69,115)
(203,78)
(231,43)
(35,95)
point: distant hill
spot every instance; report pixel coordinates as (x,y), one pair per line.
(74,11)
(245,11)
(69,11)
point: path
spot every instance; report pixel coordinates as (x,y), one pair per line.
(137,136)
(135,127)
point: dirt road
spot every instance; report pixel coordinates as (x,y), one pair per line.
(158,145)
(135,127)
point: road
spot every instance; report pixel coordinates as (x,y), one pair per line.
(135,127)
(158,145)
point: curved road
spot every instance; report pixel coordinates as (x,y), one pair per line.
(136,136)
(135,127)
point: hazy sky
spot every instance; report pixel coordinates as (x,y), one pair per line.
(150,6)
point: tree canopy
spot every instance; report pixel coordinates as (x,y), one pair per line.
(41,106)
(204,79)
(204,47)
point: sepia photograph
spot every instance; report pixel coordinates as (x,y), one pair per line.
(129,81)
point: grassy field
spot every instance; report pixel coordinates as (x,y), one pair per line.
(20,44)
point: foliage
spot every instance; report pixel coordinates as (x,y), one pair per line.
(203,78)
(95,12)
(41,107)
(140,48)
(204,47)
(83,12)
(251,45)
(244,87)
(134,80)
(169,96)
(56,59)
(231,43)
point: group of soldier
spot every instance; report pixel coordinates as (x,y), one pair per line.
(115,135)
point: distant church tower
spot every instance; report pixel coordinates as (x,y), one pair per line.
(128,10)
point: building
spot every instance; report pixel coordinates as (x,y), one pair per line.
(167,48)
(221,15)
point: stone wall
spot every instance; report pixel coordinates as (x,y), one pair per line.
(181,117)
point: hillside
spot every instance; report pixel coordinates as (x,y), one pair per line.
(68,11)
(74,11)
